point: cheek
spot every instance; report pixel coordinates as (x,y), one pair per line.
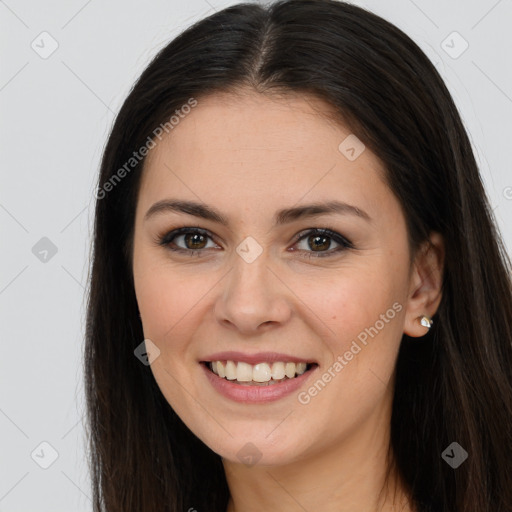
(361,314)
(169,304)
(349,302)
(166,298)
(364,319)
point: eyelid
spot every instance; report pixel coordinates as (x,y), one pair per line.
(344,242)
(331,233)
(168,236)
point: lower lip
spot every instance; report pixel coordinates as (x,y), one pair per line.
(256,394)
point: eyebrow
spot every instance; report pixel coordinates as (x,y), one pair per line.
(283,216)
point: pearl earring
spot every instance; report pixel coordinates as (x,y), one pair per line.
(426,321)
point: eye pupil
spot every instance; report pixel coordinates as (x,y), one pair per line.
(192,242)
(195,238)
(321,245)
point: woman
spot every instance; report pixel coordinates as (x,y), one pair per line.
(341,337)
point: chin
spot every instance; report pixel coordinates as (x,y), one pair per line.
(251,454)
(258,450)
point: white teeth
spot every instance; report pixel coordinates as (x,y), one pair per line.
(289,370)
(300,368)
(243,372)
(230,370)
(261,372)
(278,371)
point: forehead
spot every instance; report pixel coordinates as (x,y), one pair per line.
(249,145)
(249,121)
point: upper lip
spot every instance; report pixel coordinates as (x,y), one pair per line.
(258,357)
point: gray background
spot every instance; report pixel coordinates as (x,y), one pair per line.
(56,113)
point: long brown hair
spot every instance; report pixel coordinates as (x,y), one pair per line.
(452,385)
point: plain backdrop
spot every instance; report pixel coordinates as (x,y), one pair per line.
(66,68)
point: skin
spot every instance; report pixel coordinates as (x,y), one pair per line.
(249,155)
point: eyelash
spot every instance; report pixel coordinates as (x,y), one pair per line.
(166,240)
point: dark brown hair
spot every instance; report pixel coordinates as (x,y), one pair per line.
(454,384)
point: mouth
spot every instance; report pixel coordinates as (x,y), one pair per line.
(260,374)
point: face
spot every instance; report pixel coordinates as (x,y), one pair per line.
(329,289)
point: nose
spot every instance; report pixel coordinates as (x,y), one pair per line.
(253,297)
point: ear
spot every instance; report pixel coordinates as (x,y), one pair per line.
(426,281)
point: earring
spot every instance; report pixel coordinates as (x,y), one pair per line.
(426,321)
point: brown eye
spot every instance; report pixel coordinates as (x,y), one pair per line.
(194,241)
(320,240)
(186,240)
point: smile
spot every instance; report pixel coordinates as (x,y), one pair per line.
(261,382)
(258,374)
